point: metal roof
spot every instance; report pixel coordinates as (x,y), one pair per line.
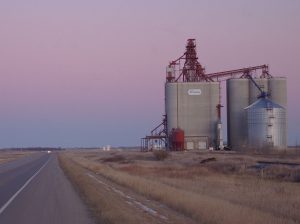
(264,103)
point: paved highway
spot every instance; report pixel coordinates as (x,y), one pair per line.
(34,190)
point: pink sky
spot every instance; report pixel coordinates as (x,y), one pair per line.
(89,73)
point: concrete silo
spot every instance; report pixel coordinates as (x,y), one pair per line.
(237,100)
(192,117)
(191,101)
(192,107)
(277,88)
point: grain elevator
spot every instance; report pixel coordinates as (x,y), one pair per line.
(256,102)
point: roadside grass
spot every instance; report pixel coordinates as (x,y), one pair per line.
(206,193)
(7,156)
(104,206)
(160,154)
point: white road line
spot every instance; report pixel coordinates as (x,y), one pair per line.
(133,200)
(107,187)
(146,208)
(21,189)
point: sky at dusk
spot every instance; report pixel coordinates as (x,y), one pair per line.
(91,72)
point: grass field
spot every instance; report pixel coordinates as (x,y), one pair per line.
(9,155)
(201,187)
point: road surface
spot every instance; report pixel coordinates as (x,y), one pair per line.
(34,190)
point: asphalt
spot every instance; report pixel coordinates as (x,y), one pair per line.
(34,190)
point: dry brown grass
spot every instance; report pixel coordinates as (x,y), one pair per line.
(9,155)
(160,154)
(105,206)
(222,190)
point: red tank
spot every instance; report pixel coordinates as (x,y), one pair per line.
(177,138)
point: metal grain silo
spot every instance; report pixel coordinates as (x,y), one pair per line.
(241,92)
(192,107)
(266,124)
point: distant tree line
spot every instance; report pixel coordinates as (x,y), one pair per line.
(33,149)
